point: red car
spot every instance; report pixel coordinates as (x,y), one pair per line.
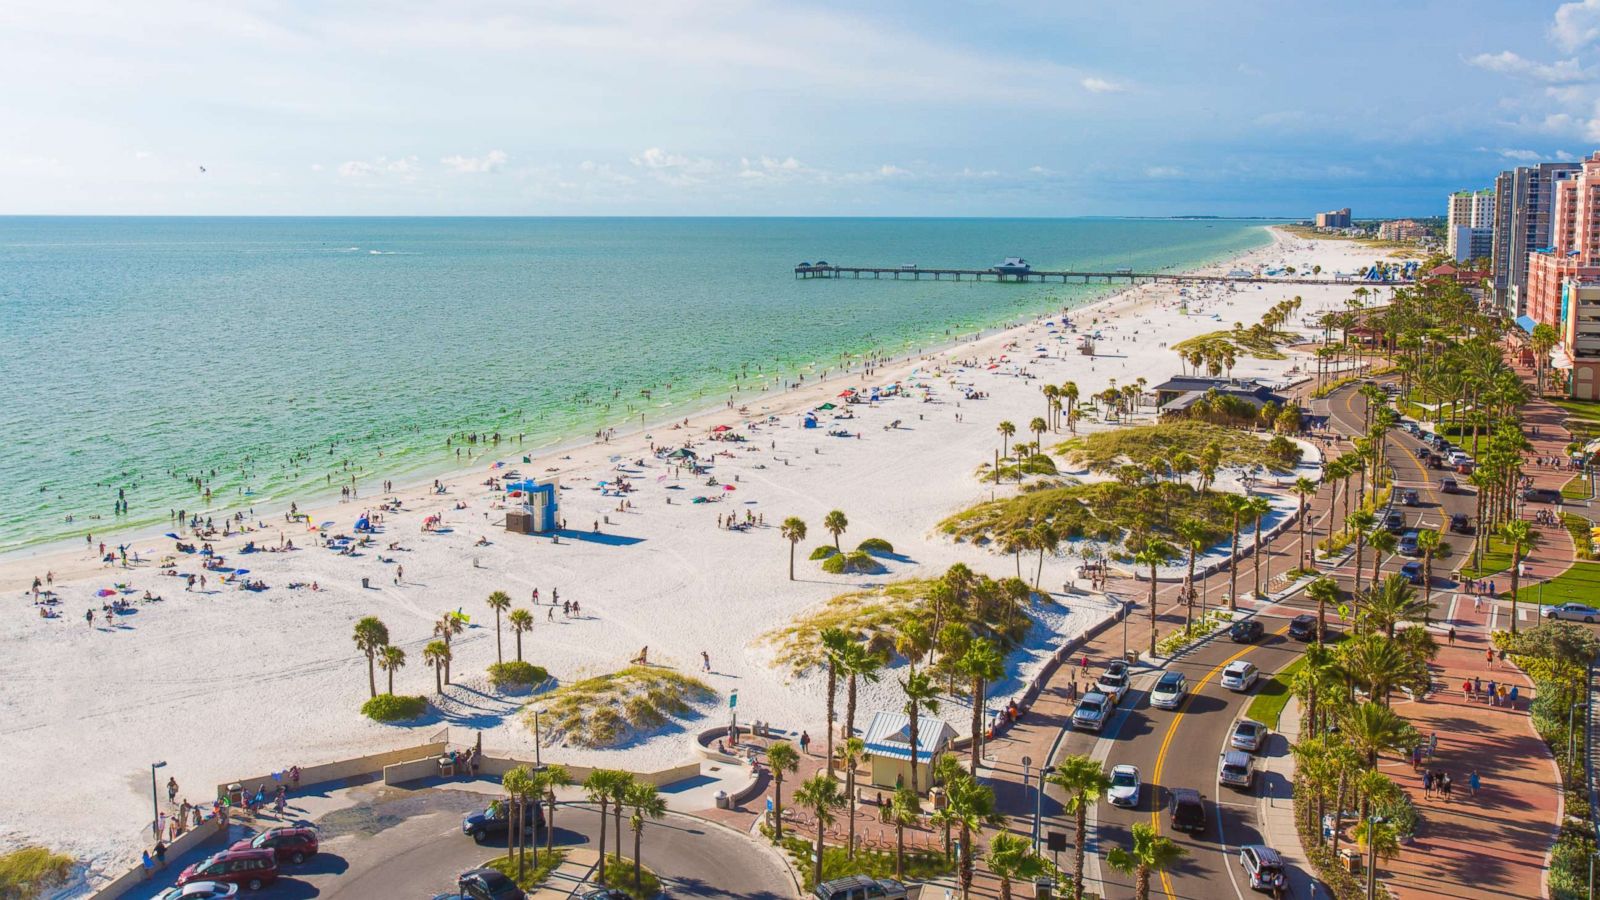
(294,845)
(250,869)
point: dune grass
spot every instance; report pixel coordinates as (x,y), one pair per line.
(1106,511)
(28,872)
(610,710)
(1257,342)
(873,616)
(1106,451)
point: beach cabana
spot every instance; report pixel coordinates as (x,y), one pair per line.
(888,741)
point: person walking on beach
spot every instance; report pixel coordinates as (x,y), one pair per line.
(705,661)
(88,616)
(805,743)
(172,790)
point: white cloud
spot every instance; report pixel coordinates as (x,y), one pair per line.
(768,167)
(1525,155)
(405,167)
(1247,69)
(889,170)
(1577,25)
(492,161)
(1101,86)
(1040,170)
(1163,172)
(674,168)
(1563,156)
(1562,71)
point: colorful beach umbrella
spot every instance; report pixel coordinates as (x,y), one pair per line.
(104,592)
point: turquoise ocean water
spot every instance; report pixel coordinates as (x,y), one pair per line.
(277,353)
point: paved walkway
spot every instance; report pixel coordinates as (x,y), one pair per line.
(572,874)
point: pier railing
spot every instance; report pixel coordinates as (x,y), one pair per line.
(1068,276)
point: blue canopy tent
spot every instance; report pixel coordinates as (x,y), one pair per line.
(1526,323)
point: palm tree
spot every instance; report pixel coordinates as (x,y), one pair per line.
(1236,506)
(820,793)
(1360,522)
(620,784)
(860,664)
(1085,781)
(518,783)
(1038,427)
(970,806)
(904,809)
(1193,532)
(1011,857)
(1519,534)
(389,659)
(982,663)
(835,644)
(1151,853)
(1154,554)
(499,601)
(448,626)
(521,622)
(1371,728)
(850,753)
(1428,541)
(1306,489)
(1006,430)
(1324,590)
(647,803)
(371,634)
(1391,601)
(437,655)
(551,777)
(1382,542)
(600,786)
(793,530)
(835,524)
(1258,507)
(1069,392)
(921,695)
(1379,664)
(781,758)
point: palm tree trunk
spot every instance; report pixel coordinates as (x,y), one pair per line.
(977,722)
(638,833)
(850,802)
(833,688)
(817,870)
(1258,551)
(899,852)
(1516,566)
(1233,567)
(914,745)
(791,560)
(372,676)
(1152,609)
(499,657)
(1078,850)
(550,825)
(850,707)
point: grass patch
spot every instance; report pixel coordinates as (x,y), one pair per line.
(1037,464)
(1253,341)
(619,876)
(516,672)
(1196,630)
(1334,385)
(28,872)
(1144,445)
(1580,529)
(853,563)
(823,552)
(610,710)
(1267,705)
(1577,488)
(390,708)
(875,545)
(1579,584)
(1106,511)
(1496,557)
(920,865)
(540,865)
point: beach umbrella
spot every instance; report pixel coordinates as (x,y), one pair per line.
(173,536)
(238,572)
(104,592)
(727,487)
(722,428)
(325,525)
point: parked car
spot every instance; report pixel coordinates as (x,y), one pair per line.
(1240,675)
(250,869)
(608,894)
(1410,498)
(1541,495)
(484,884)
(1169,690)
(293,845)
(1247,631)
(1461,524)
(1093,710)
(1447,485)
(496,820)
(1394,521)
(1407,545)
(1572,612)
(1264,868)
(1113,682)
(1124,789)
(1237,769)
(1412,572)
(1248,735)
(1187,810)
(860,887)
(1303,627)
(199,890)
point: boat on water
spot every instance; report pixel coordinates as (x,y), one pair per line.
(1014,265)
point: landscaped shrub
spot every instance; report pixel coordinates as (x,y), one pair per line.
(875,545)
(825,551)
(853,563)
(390,708)
(516,673)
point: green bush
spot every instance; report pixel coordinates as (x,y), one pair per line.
(540,865)
(875,545)
(921,865)
(825,551)
(852,563)
(619,876)
(389,708)
(516,672)
(28,872)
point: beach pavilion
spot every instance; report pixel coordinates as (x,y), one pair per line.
(888,741)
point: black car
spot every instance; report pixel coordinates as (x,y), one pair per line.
(484,884)
(1460,524)
(1188,811)
(496,821)
(1541,495)
(1246,632)
(1303,627)
(1394,521)
(1410,498)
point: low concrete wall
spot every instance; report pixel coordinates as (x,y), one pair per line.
(210,830)
(343,769)
(497,766)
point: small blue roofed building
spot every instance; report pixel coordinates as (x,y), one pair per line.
(888,741)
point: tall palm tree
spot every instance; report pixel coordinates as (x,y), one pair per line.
(1380,665)
(781,758)
(1150,853)
(971,806)
(371,634)
(1324,590)
(621,783)
(835,524)
(922,695)
(521,622)
(1084,781)
(820,793)
(851,750)
(1382,543)
(1038,427)
(1153,554)
(1429,541)
(1258,507)
(1360,522)
(448,626)
(793,530)
(1006,430)
(551,777)
(982,663)
(600,787)
(1372,728)
(1305,488)
(391,658)
(1193,533)
(1390,602)
(835,644)
(1069,392)
(860,664)
(1011,858)
(647,803)
(905,808)
(499,601)
(1236,507)
(1520,535)
(518,783)
(437,655)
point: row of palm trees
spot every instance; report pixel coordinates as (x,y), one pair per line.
(793,529)
(617,791)
(372,641)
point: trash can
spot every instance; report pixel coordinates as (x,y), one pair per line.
(1351,860)
(236,794)
(364,583)
(1131,657)
(722,800)
(1043,889)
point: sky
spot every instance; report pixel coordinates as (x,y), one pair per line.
(743,107)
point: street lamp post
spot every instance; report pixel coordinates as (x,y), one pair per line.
(1027,767)
(1038,805)
(1372,855)
(1572,739)
(155,804)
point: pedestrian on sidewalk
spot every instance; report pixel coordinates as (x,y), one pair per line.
(1494,694)
(1452,635)
(805,743)
(1427,783)
(1488,657)
(1477,687)
(1466,690)
(1474,782)
(1444,786)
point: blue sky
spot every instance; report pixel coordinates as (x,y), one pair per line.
(685,107)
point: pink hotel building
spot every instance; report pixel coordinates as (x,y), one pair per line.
(1564,279)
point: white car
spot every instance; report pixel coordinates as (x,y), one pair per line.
(1168,692)
(1124,787)
(1113,682)
(199,890)
(1093,710)
(1575,612)
(1240,675)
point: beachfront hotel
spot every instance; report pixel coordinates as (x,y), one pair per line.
(1469,224)
(1522,198)
(1564,280)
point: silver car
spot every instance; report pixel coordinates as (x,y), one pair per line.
(1240,675)
(1249,735)
(1572,612)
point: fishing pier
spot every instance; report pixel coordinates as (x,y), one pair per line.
(1115,276)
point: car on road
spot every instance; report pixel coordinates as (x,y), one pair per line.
(292,845)
(1459,458)
(860,887)
(1264,868)
(1303,627)
(613,894)
(1241,675)
(1412,572)
(199,890)
(1541,495)
(1237,769)
(1187,810)
(496,820)
(1410,498)
(484,884)
(1408,544)
(1113,682)
(1447,485)
(1169,690)
(1572,612)
(1247,631)
(1248,735)
(1092,712)
(1461,524)
(250,869)
(1124,789)
(1394,521)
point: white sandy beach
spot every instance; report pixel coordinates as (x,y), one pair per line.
(225,682)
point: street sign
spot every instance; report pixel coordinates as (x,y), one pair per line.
(733,699)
